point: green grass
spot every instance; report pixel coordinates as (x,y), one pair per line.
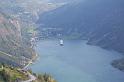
(13,74)
(31,30)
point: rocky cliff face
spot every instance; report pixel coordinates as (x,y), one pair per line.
(14,38)
(17,28)
(11,39)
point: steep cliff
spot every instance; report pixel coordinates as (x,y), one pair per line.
(12,43)
(17,28)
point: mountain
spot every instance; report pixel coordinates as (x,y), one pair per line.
(13,46)
(15,41)
(17,28)
(99,21)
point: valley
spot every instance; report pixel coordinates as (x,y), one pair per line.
(92,33)
(100,22)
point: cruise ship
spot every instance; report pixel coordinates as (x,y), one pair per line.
(61,42)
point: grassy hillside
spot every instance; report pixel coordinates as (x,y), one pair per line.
(10,74)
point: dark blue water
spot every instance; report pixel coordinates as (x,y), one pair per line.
(76,62)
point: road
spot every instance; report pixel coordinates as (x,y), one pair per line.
(31,77)
(6,54)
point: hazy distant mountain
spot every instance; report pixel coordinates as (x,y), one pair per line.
(99,21)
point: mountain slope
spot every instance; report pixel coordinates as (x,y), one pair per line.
(99,21)
(12,43)
(17,28)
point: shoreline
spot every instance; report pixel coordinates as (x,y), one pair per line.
(118,64)
(34,58)
(115,63)
(25,68)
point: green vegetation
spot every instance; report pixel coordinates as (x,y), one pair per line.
(10,74)
(31,30)
(17,28)
(44,78)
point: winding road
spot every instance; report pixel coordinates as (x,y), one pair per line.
(31,77)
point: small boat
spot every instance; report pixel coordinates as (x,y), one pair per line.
(61,42)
